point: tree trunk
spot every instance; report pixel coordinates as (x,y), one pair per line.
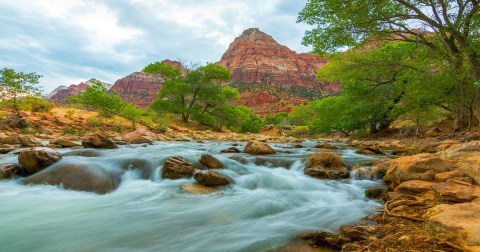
(474,61)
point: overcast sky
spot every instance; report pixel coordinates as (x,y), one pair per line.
(70,41)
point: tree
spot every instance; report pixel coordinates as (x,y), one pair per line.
(107,103)
(235,118)
(13,84)
(191,93)
(450,28)
(378,85)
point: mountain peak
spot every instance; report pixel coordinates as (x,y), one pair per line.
(255,35)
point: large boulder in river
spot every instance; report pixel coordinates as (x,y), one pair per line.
(140,136)
(98,140)
(36,159)
(78,177)
(258,148)
(210,178)
(325,165)
(418,167)
(210,162)
(67,141)
(177,167)
(7,171)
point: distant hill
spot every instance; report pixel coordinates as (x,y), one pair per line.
(61,93)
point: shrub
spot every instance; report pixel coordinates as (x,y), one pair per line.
(73,131)
(69,113)
(95,122)
(35,104)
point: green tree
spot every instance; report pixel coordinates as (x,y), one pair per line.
(378,85)
(449,28)
(235,118)
(107,103)
(14,84)
(194,92)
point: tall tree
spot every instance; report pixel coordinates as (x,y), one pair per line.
(194,92)
(449,27)
(14,83)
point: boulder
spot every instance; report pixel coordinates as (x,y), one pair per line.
(370,150)
(176,168)
(66,141)
(7,171)
(140,136)
(325,165)
(24,140)
(469,165)
(38,158)
(98,140)
(463,149)
(453,175)
(84,153)
(198,189)
(461,219)
(142,165)
(325,145)
(29,141)
(375,193)
(210,162)
(231,150)
(210,178)
(258,148)
(418,167)
(450,191)
(78,177)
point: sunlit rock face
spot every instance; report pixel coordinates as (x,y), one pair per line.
(271,77)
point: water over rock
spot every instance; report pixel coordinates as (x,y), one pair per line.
(80,177)
(325,145)
(210,178)
(38,158)
(231,150)
(258,148)
(7,171)
(176,168)
(210,162)
(198,189)
(98,140)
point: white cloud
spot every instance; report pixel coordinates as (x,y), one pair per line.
(109,39)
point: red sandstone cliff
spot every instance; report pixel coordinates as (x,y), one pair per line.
(140,88)
(61,93)
(270,77)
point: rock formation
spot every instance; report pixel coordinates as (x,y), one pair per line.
(141,88)
(271,77)
(61,93)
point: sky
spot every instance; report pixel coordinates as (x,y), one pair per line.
(70,41)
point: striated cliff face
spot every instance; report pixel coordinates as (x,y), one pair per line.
(141,88)
(270,77)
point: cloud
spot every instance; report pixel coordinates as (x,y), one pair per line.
(68,41)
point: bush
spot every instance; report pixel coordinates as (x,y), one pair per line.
(69,113)
(73,131)
(95,122)
(300,131)
(35,104)
(31,129)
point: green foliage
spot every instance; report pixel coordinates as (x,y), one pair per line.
(69,113)
(31,129)
(14,84)
(193,93)
(276,119)
(34,104)
(95,122)
(235,118)
(74,131)
(300,131)
(377,86)
(97,97)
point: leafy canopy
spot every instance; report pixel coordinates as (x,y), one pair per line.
(13,84)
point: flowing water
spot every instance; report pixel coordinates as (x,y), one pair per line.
(269,201)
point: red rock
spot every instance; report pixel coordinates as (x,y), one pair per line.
(61,93)
(281,78)
(141,88)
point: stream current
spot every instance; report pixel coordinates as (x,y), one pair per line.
(269,201)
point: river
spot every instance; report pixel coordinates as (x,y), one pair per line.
(269,201)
